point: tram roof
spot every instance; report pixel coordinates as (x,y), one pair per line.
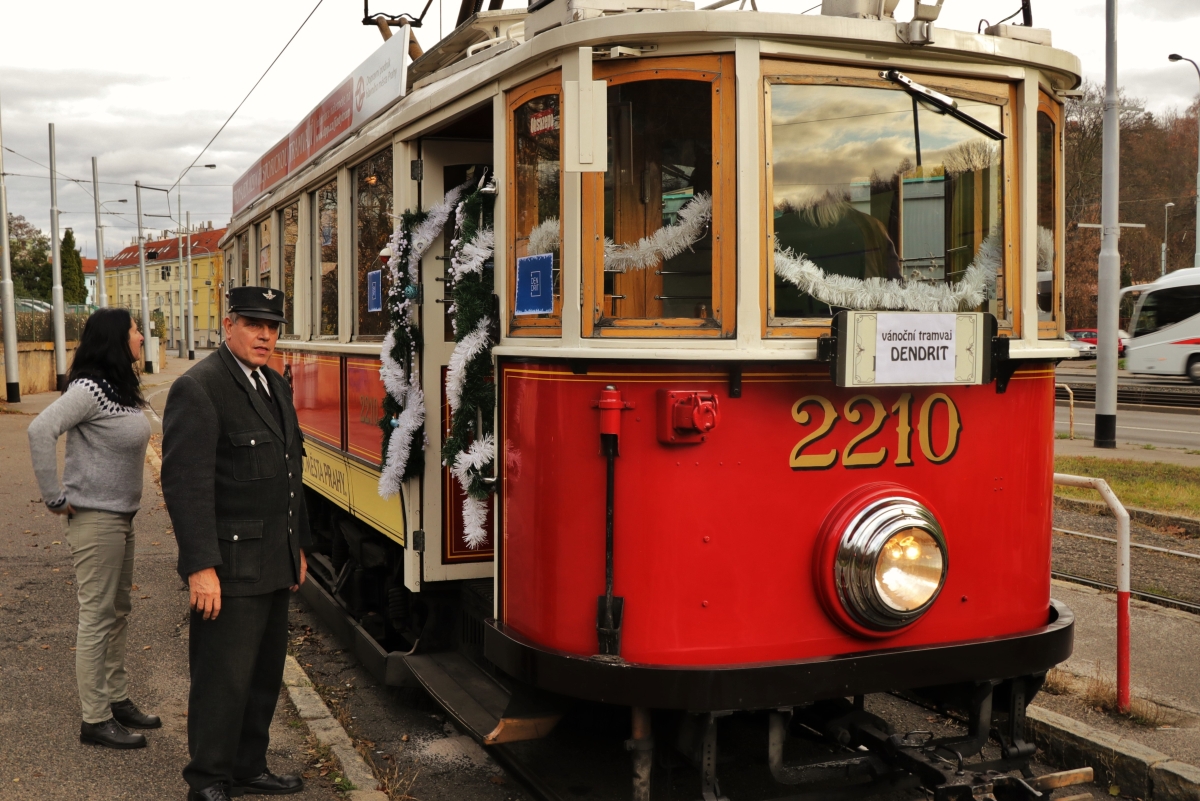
(826,38)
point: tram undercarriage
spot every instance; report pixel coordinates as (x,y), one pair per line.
(439,639)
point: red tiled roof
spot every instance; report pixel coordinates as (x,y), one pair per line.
(89,265)
(203,243)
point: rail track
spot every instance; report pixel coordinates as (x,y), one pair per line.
(1175,396)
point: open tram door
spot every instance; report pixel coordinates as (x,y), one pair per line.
(445,164)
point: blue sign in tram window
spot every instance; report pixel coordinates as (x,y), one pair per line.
(375,291)
(535,293)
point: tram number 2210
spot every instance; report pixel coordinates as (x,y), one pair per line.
(854,456)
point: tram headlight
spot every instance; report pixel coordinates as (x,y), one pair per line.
(891,563)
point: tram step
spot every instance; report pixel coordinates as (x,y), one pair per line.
(485,709)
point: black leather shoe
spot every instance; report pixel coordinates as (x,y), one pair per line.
(129,716)
(110,734)
(214,792)
(267,784)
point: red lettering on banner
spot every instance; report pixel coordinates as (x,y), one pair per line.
(542,122)
(274,165)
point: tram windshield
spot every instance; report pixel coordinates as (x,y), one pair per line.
(869,183)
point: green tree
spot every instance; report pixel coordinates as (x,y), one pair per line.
(30,250)
(74,287)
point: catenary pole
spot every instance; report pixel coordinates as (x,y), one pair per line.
(101,289)
(1109,279)
(57,312)
(191,306)
(180,328)
(8,304)
(142,274)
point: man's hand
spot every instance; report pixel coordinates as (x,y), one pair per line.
(303,570)
(205,592)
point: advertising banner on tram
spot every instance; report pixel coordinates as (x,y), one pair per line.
(373,86)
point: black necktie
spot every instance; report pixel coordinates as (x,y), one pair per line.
(261,388)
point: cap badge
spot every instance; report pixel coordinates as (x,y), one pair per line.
(269,295)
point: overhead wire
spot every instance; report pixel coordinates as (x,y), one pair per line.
(247,97)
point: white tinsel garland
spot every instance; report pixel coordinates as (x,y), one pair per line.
(649,251)
(471,257)
(1045,249)
(465,352)
(877,294)
(473,460)
(406,390)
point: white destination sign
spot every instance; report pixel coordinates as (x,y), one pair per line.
(915,348)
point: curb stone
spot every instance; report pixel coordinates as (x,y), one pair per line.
(329,732)
(1137,770)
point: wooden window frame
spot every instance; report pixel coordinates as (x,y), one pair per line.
(1054,327)
(717,70)
(533,326)
(999,92)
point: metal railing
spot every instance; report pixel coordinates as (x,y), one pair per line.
(1118,510)
(1071,404)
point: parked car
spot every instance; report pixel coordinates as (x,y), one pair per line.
(1086,350)
(1091,335)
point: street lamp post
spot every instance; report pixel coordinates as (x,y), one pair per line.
(1177,57)
(1166,221)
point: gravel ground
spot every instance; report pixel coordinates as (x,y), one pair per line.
(1161,574)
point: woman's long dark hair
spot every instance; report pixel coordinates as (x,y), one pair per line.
(104,355)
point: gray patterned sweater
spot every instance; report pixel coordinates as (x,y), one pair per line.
(106,450)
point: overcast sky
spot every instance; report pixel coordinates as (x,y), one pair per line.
(145,84)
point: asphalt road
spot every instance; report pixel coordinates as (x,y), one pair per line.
(1085,373)
(1160,429)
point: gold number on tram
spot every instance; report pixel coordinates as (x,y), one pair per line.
(872,458)
(925,427)
(903,412)
(816,461)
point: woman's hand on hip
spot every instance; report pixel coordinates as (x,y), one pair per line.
(303,570)
(205,592)
(66,509)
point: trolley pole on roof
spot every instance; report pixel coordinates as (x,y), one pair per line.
(1109,279)
(8,305)
(101,290)
(149,365)
(58,316)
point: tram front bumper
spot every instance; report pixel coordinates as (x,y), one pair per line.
(778,684)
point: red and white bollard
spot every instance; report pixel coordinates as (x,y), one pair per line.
(1101,486)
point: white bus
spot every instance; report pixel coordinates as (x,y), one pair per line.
(1166,326)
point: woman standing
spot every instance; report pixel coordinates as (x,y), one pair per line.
(100,492)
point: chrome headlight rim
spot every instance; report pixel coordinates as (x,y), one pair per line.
(859,549)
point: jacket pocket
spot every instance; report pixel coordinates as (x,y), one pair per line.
(253,456)
(240,542)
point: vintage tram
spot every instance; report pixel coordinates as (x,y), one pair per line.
(741,329)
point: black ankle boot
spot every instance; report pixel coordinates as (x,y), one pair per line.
(110,734)
(128,715)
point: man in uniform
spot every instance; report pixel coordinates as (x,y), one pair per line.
(232,480)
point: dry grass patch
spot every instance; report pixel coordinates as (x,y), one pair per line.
(1100,693)
(1168,488)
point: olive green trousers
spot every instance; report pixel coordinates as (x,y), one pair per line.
(102,545)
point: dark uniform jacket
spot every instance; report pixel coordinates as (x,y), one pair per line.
(233,481)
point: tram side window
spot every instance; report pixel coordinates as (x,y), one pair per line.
(263,238)
(290,221)
(325,252)
(244,258)
(537,207)
(660,159)
(1047,217)
(1167,307)
(868,184)
(372,230)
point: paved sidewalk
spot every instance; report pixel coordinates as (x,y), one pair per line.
(41,758)
(1165,669)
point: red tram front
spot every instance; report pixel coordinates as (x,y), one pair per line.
(688,361)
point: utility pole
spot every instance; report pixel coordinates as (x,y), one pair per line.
(1166,223)
(191,334)
(101,289)
(8,305)
(142,273)
(58,316)
(1109,279)
(181,330)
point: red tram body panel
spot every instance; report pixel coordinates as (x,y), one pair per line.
(715,542)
